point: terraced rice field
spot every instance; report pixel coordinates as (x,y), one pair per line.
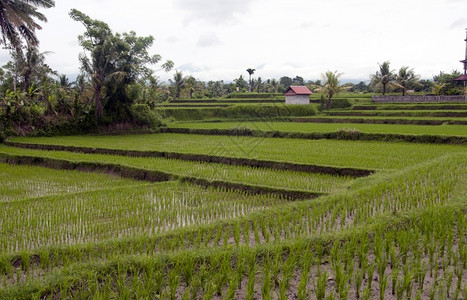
(459,130)
(194,227)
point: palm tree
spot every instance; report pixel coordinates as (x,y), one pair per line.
(438,88)
(406,78)
(331,86)
(384,77)
(34,67)
(191,85)
(178,83)
(251,72)
(17,20)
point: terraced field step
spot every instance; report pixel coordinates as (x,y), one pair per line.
(336,135)
(339,171)
(411,107)
(232,101)
(420,223)
(402,113)
(285,126)
(151,175)
(381,120)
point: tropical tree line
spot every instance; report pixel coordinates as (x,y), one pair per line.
(118,82)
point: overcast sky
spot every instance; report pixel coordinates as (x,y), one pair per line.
(219,40)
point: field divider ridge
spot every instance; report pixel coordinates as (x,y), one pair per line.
(152,175)
(379,121)
(336,135)
(339,171)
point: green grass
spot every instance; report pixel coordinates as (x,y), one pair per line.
(399,233)
(22,182)
(360,154)
(386,117)
(312,182)
(401,113)
(117,213)
(404,225)
(459,130)
(419,106)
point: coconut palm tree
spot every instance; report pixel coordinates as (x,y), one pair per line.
(250,72)
(406,78)
(17,20)
(384,77)
(178,83)
(331,86)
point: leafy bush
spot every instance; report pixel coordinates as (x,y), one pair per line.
(143,115)
(341,103)
(239,111)
(255,95)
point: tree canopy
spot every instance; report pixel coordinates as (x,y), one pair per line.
(383,78)
(112,62)
(18,21)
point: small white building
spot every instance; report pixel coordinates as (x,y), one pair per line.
(297,95)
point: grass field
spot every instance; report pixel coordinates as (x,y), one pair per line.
(373,155)
(87,233)
(319,127)
(256,176)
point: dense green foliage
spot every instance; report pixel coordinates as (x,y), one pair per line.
(238,112)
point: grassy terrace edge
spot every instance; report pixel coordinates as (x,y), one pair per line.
(151,175)
(338,135)
(340,171)
(379,120)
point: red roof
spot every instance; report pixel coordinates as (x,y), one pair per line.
(297,90)
(461,78)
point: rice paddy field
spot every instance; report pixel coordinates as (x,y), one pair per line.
(459,130)
(191,216)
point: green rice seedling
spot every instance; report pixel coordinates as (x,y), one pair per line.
(256,231)
(449,276)
(267,280)
(370,271)
(285,179)
(400,289)
(407,280)
(383,284)
(358,279)
(459,272)
(264,231)
(342,288)
(395,278)
(246,232)
(329,127)
(288,268)
(321,285)
(362,252)
(323,152)
(6,267)
(224,270)
(250,287)
(366,293)
(420,273)
(308,260)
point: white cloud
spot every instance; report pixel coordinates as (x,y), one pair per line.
(208,39)
(219,40)
(214,12)
(459,24)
